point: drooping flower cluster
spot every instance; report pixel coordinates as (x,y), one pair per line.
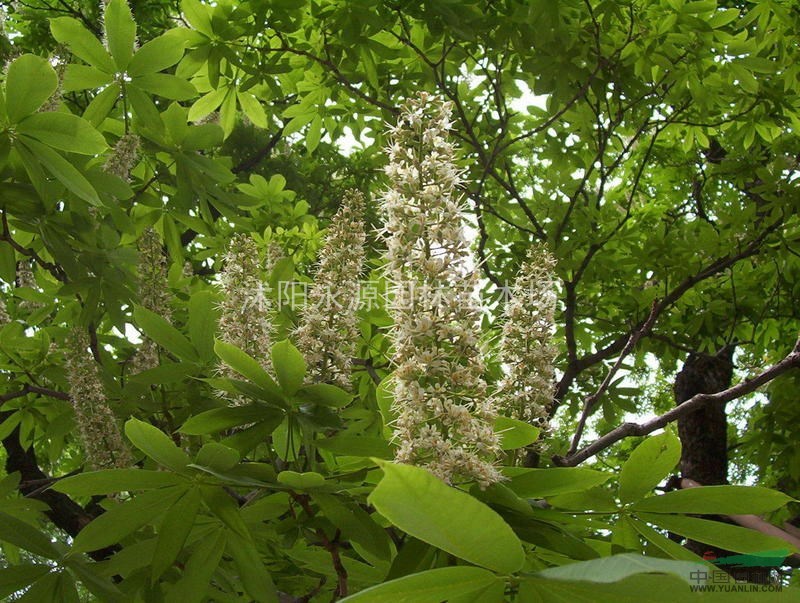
(245,309)
(4,317)
(97,425)
(445,417)
(527,350)
(124,157)
(26,279)
(328,331)
(153,293)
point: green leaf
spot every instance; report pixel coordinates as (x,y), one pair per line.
(30,81)
(246,366)
(124,519)
(661,588)
(355,523)
(63,131)
(253,109)
(120,32)
(289,366)
(314,134)
(207,103)
(348,445)
(667,546)
(158,54)
(514,434)
(540,483)
(226,509)
(255,578)
(166,85)
(618,567)
(219,419)
(203,316)
(431,586)
(203,562)
(82,43)
(108,481)
(17,577)
(217,457)
(716,500)
(325,394)
(175,527)
(26,537)
(301,481)
(101,105)
(82,77)
(156,444)
(715,533)
(164,334)
(62,169)
(648,464)
(423,506)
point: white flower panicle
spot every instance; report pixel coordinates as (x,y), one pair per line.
(328,330)
(526,349)
(4,317)
(245,309)
(124,157)
(153,293)
(27,280)
(97,425)
(444,415)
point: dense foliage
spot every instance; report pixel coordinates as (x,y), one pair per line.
(183,418)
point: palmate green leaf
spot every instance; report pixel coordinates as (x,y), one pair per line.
(423,506)
(102,104)
(157,54)
(125,518)
(715,533)
(166,85)
(301,481)
(82,43)
(175,527)
(203,562)
(431,586)
(203,316)
(351,445)
(618,567)
(164,334)
(82,77)
(63,131)
(219,419)
(657,539)
(514,433)
(289,365)
(17,577)
(108,481)
(26,537)
(246,366)
(59,167)
(355,523)
(221,504)
(97,584)
(325,394)
(540,483)
(120,30)
(207,103)
(713,500)
(254,576)
(156,444)
(253,109)
(46,588)
(648,464)
(217,457)
(30,81)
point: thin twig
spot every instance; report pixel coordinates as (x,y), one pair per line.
(792,360)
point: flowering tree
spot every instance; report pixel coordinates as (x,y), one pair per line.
(237,363)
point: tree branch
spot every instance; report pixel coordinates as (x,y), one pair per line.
(792,360)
